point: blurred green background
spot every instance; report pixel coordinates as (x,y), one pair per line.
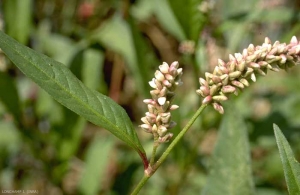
(114,46)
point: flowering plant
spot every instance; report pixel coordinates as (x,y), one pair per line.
(215,88)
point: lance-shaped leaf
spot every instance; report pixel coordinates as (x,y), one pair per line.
(231,169)
(63,86)
(290,166)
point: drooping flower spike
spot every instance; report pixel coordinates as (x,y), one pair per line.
(158,118)
(234,76)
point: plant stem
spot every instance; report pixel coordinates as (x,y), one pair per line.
(141,184)
(155,146)
(178,138)
(167,151)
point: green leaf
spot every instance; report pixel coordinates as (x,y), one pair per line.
(290,166)
(95,168)
(231,168)
(189,16)
(9,96)
(63,86)
(17,16)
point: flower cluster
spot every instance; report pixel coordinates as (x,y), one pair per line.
(158,118)
(235,75)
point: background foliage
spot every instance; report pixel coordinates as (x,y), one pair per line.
(114,46)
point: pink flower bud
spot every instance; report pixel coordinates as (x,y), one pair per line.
(207,100)
(169,77)
(167,83)
(221,62)
(241,66)
(235,74)
(202,81)
(254,65)
(237,84)
(218,107)
(251,48)
(228,89)
(231,57)
(245,82)
(219,98)
(174,64)
(283,58)
(144,120)
(146,127)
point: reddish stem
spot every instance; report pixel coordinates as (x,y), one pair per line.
(144,159)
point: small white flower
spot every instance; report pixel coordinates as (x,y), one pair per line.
(164,68)
(159,76)
(152,84)
(162,100)
(294,40)
(174,107)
